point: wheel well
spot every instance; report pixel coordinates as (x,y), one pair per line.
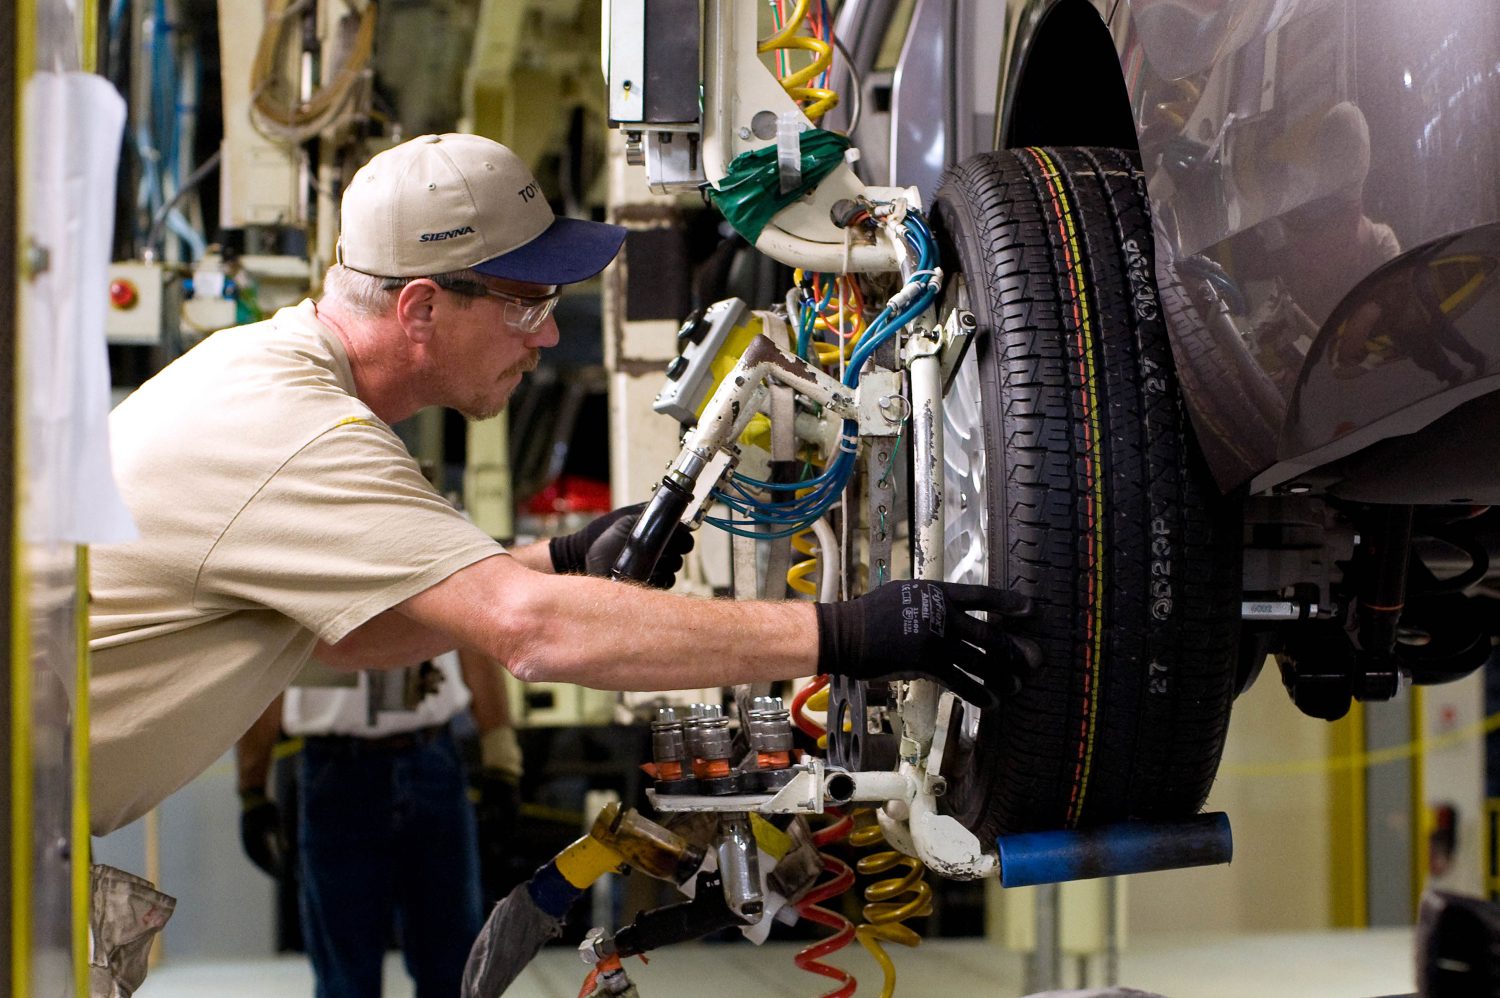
(1070,53)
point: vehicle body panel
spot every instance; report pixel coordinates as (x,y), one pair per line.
(1325,176)
(1339,160)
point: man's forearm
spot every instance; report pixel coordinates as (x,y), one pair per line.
(626,637)
(615,636)
(536,556)
(252,753)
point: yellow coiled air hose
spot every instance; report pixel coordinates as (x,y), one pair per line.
(802,576)
(822,100)
(890,902)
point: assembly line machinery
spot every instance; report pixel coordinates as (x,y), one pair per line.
(814,434)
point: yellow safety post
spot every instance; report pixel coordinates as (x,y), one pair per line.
(1349,862)
(1421,820)
(20,648)
(80,739)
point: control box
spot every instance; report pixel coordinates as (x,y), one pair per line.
(691,377)
(134,315)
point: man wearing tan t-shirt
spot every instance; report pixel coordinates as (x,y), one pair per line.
(281,519)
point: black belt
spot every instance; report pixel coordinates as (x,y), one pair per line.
(398,742)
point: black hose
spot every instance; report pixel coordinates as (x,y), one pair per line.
(653,531)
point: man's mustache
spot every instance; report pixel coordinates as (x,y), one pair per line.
(524,366)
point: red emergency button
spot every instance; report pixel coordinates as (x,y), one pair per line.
(123,293)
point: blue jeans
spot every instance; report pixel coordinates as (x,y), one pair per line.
(386,831)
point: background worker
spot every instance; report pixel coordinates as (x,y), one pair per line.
(312,532)
(385,830)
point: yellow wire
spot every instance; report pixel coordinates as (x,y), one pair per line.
(821,59)
(801,576)
(884,914)
(822,99)
(799,14)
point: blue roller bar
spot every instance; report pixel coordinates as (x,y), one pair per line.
(1033,858)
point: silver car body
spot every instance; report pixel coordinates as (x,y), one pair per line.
(1325,177)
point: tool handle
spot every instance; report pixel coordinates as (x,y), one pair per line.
(678,923)
(653,530)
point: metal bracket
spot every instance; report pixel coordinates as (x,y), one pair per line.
(958,332)
(802,795)
(714,472)
(882,405)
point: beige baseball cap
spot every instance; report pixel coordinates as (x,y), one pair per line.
(440,203)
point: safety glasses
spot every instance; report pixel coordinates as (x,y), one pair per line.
(523,313)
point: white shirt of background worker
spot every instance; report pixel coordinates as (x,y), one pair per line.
(384,830)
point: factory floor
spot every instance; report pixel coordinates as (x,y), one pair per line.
(1334,964)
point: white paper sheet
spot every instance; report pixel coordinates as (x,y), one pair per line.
(74,122)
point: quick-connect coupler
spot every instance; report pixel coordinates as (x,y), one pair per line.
(770,736)
(669,754)
(711,747)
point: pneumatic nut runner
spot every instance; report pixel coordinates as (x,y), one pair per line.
(695,754)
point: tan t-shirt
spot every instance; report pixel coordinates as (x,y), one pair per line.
(275,509)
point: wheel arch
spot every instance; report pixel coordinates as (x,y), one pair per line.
(1054,42)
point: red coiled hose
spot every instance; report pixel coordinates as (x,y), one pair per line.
(810,959)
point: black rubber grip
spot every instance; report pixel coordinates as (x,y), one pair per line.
(652,531)
(679,923)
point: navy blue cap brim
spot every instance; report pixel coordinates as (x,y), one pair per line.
(570,250)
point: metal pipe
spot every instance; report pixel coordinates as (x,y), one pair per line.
(844,788)
(739,863)
(927,460)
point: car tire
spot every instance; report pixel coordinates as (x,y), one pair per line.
(1095,502)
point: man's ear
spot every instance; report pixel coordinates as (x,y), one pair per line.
(415,307)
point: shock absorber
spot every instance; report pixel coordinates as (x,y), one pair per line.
(890,902)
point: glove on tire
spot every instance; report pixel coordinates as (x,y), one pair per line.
(918,629)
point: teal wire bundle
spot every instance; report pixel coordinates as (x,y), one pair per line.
(777,520)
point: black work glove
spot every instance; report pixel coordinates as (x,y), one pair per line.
(594,549)
(920,630)
(503,859)
(260,831)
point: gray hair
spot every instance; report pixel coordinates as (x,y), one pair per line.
(371,296)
